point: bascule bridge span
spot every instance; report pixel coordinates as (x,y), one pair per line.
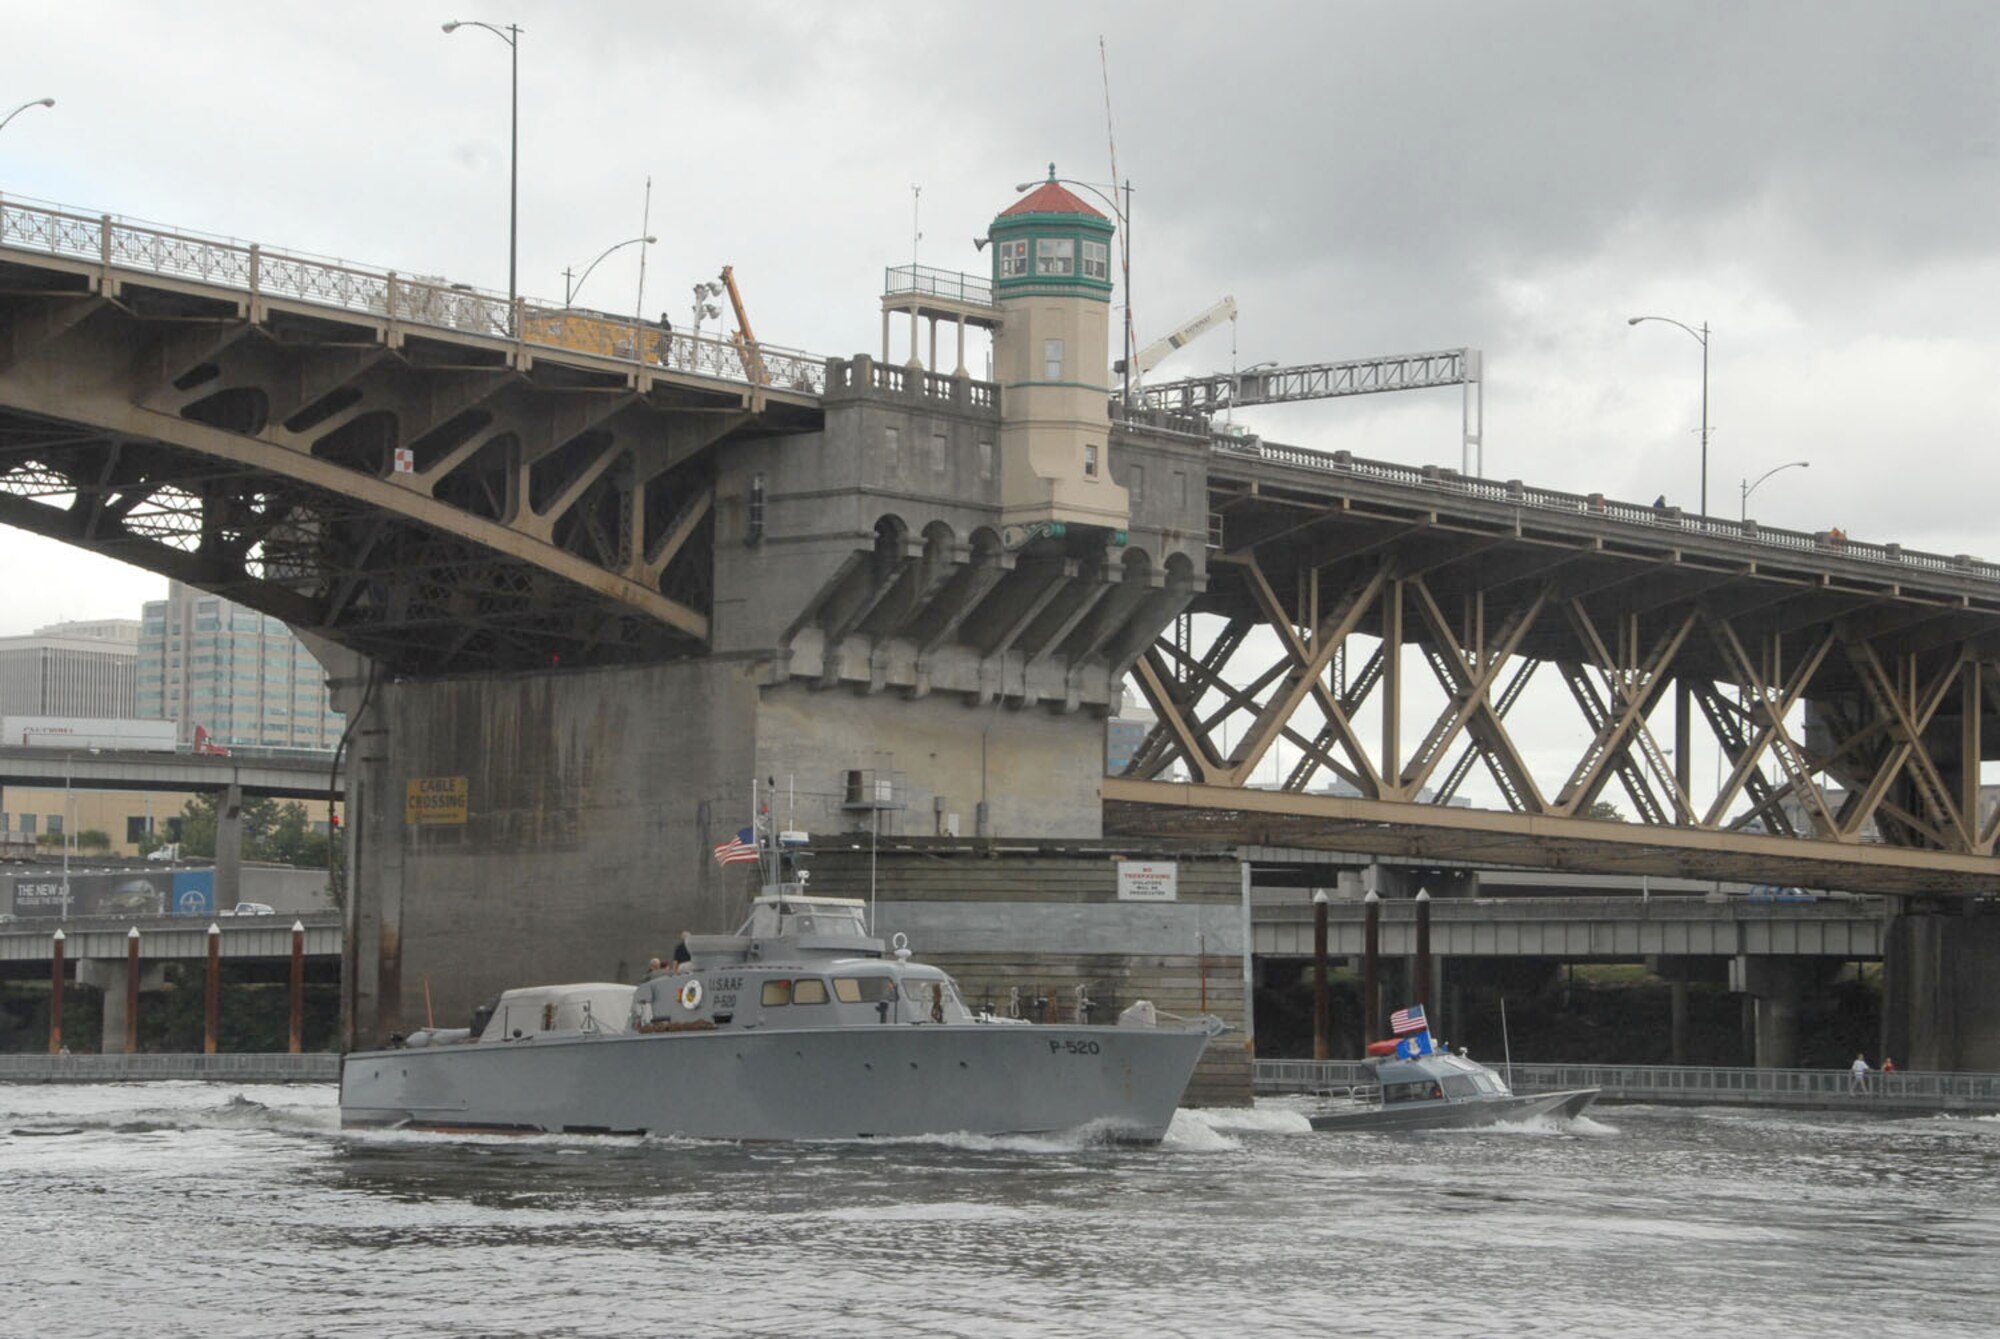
(595,577)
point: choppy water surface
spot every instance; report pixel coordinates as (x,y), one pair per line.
(189,1209)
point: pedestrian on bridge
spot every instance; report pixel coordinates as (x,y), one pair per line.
(1859,1083)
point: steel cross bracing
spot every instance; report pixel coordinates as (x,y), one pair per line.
(433,496)
(1354,643)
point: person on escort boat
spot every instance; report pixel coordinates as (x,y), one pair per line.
(1859,1069)
(682,955)
(652,965)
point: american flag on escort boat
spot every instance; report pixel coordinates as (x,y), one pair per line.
(1408,1020)
(737,849)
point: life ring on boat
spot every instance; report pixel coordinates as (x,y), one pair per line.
(691,995)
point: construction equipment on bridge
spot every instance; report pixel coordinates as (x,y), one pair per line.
(1153,354)
(743,339)
(1224,391)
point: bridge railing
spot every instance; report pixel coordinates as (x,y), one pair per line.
(1705,1084)
(953,284)
(1514,493)
(418,300)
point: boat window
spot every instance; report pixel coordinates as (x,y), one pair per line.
(1490,1083)
(777,992)
(809,990)
(1409,1092)
(863,989)
(1460,1085)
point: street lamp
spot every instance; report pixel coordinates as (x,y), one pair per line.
(1750,486)
(38,102)
(569,289)
(511,35)
(1701,338)
(1124,217)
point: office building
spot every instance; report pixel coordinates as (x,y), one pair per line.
(208,662)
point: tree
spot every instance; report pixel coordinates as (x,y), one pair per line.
(1605,810)
(273,833)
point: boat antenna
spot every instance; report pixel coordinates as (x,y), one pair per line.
(1506,1047)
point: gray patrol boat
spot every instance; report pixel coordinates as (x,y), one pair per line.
(1440,1091)
(798,1026)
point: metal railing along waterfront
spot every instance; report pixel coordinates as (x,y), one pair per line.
(114,243)
(1705,1085)
(246,1067)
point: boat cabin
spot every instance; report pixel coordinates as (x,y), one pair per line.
(1436,1078)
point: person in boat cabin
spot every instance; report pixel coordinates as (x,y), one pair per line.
(682,955)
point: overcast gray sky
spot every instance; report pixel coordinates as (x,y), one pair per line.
(1817,181)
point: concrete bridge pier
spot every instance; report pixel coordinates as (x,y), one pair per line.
(110,975)
(1939,1010)
(1776,986)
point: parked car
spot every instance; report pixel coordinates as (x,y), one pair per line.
(251,909)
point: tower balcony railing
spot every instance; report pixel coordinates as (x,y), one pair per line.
(952,284)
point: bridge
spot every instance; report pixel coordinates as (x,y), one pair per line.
(596,578)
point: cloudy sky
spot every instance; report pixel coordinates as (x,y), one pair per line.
(1816,181)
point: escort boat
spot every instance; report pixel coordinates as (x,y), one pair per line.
(798,1026)
(1439,1091)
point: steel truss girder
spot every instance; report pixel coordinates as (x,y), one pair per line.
(1882,712)
(258,462)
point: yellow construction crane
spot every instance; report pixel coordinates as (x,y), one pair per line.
(743,339)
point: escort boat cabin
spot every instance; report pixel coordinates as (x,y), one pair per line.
(798,1026)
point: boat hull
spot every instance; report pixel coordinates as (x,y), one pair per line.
(772,1084)
(1454,1115)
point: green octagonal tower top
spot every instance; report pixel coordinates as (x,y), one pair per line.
(1050,242)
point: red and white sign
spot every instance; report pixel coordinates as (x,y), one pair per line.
(406,460)
(1148,881)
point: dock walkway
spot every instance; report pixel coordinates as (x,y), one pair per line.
(249,1067)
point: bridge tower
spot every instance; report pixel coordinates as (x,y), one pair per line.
(921,608)
(1052,282)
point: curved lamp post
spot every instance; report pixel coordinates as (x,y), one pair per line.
(570,289)
(1750,485)
(1124,217)
(38,102)
(1701,338)
(511,35)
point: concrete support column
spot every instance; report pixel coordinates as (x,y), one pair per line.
(121,980)
(1677,990)
(1776,984)
(229,848)
(885,335)
(916,364)
(961,348)
(115,978)
(1938,1011)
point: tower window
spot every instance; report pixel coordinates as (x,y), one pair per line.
(1052,359)
(1013,259)
(1096,260)
(1055,255)
(1090,460)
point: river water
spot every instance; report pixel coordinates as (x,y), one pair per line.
(189,1209)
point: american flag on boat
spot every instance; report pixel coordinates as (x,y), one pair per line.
(737,849)
(1408,1020)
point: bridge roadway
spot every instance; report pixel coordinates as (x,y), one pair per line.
(166,938)
(109,769)
(1581,929)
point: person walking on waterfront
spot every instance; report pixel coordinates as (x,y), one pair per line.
(1859,1083)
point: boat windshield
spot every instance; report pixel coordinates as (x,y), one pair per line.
(1490,1082)
(863,989)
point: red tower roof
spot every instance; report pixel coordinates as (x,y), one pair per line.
(1049,198)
